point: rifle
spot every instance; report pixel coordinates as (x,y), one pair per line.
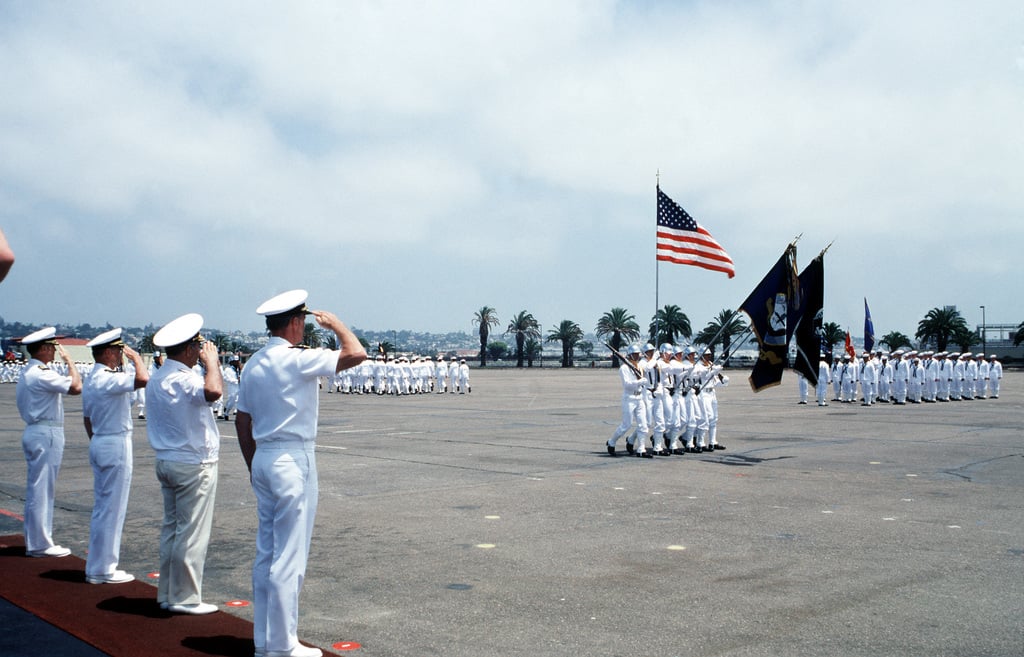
(632,366)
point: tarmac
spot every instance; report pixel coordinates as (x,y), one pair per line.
(495,523)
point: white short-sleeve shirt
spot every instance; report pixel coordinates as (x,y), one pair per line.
(40,391)
(179,420)
(279,390)
(107,400)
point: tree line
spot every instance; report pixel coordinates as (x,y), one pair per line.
(939,328)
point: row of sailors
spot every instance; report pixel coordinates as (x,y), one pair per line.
(403,376)
(910,376)
(669,397)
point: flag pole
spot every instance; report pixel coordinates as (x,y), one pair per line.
(657,268)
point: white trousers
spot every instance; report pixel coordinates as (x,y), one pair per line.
(189,490)
(284,479)
(44,449)
(633,411)
(111,459)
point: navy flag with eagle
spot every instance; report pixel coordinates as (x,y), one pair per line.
(768,307)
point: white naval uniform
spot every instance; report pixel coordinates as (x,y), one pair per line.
(970,376)
(868,381)
(656,395)
(824,375)
(995,377)
(632,407)
(900,380)
(183,433)
(107,402)
(279,391)
(714,378)
(230,376)
(957,384)
(39,395)
(982,381)
(884,380)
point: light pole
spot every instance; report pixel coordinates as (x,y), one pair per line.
(984,344)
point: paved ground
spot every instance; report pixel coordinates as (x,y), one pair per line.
(495,524)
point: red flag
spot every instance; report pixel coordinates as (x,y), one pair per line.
(683,241)
(849,346)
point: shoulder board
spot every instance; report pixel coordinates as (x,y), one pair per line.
(43,367)
(300,346)
(111,371)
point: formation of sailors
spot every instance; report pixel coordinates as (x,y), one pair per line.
(403,375)
(669,404)
(913,377)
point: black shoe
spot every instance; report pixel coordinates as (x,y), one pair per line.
(629,447)
(611,448)
(660,452)
(678,451)
(719,446)
(645,454)
(665,441)
(697,449)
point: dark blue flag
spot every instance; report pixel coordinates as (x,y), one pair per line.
(768,307)
(808,328)
(869,328)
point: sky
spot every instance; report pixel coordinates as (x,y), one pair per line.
(410,162)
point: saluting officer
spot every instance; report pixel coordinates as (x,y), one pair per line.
(39,395)
(183,433)
(107,414)
(278,406)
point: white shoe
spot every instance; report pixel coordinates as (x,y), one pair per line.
(197,609)
(52,551)
(116,577)
(298,651)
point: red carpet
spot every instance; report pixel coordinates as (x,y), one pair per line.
(122,620)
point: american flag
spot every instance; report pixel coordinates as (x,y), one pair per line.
(683,241)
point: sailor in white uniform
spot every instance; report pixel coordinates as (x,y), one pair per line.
(824,378)
(995,376)
(631,375)
(278,407)
(107,414)
(183,432)
(39,394)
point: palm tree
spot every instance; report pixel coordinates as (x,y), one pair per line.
(221,341)
(1018,337)
(726,325)
(146,344)
(523,326)
(485,318)
(668,323)
(311,335)
(569,334)
(831,335)
(620,324)
(964,337)
(939,325)
(385,348)
(895,340)
(533,349)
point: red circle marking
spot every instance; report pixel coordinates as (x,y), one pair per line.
(155,575)
(237,603)
(346,645)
